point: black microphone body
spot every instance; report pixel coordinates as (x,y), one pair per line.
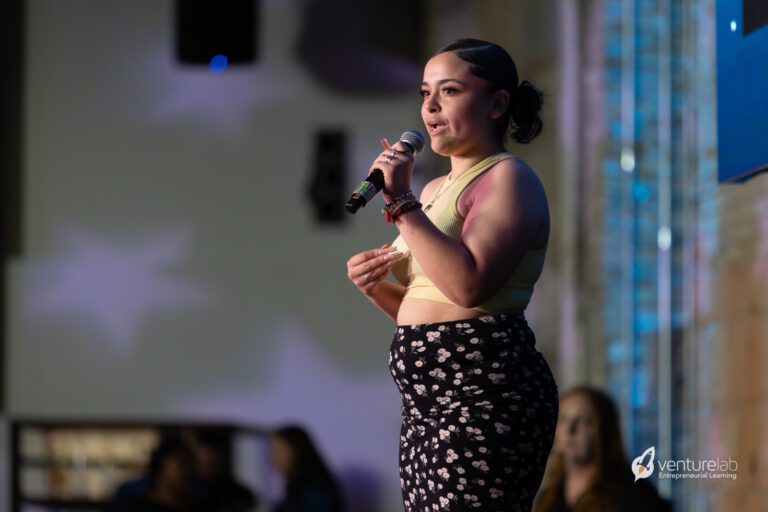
(414,142)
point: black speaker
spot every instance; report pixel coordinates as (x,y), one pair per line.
(327,184)
(205,28)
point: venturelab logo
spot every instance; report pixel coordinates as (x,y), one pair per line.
(642,467)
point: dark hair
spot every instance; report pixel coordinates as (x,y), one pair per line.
(308,469)
(492,63)
(170,445)
(612,464)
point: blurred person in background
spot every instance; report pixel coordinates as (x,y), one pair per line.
(309,484)
(166,486)
(587,469)
(214,487)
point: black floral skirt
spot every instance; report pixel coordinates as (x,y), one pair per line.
(480,407)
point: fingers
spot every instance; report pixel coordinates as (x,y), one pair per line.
(362,269)
(384,143)
(364,256)
(374,276)
(393,156)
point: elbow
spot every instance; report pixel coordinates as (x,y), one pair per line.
(474,295)
(468,298)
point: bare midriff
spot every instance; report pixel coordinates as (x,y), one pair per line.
(425,311)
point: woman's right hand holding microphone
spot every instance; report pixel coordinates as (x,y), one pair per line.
(367,269)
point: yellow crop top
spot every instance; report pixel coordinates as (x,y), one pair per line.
(516,292)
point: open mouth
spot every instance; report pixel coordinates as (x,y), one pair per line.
(434,126)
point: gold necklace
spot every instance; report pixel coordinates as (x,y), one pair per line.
(440,191)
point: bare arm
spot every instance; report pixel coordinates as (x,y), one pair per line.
(508,209)
(387,297)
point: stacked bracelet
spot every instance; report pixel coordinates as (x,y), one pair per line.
(400,205)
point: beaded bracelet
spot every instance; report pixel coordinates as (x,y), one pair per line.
(404,208)
(392,205)
(400,205)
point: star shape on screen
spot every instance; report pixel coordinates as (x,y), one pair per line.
(111,286)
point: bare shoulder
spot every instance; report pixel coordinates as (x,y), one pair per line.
(511,193)
(514,173)
(511,177)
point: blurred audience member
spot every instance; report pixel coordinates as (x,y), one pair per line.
(214,487)
(166,486)
(309,485)
(587,469)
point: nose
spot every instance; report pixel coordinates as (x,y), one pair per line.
(431,104)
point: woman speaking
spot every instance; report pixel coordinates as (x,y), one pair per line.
(479,401)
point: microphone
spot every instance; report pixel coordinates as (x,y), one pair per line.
(414,143)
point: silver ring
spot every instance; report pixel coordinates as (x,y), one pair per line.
(368,277)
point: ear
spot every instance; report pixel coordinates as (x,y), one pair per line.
(499,104)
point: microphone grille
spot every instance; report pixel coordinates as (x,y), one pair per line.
(413,139)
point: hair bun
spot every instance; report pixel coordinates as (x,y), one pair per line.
(526,106)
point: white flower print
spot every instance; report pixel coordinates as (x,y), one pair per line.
(433,335)
(496,377)
(438,374)
(461,375)
(474,356)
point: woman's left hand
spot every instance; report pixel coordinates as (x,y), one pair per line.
(396,164)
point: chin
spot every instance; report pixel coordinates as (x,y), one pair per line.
(441,149)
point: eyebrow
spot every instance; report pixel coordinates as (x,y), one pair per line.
(442,81)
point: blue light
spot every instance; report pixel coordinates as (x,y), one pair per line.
(734,26)
(219,64)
